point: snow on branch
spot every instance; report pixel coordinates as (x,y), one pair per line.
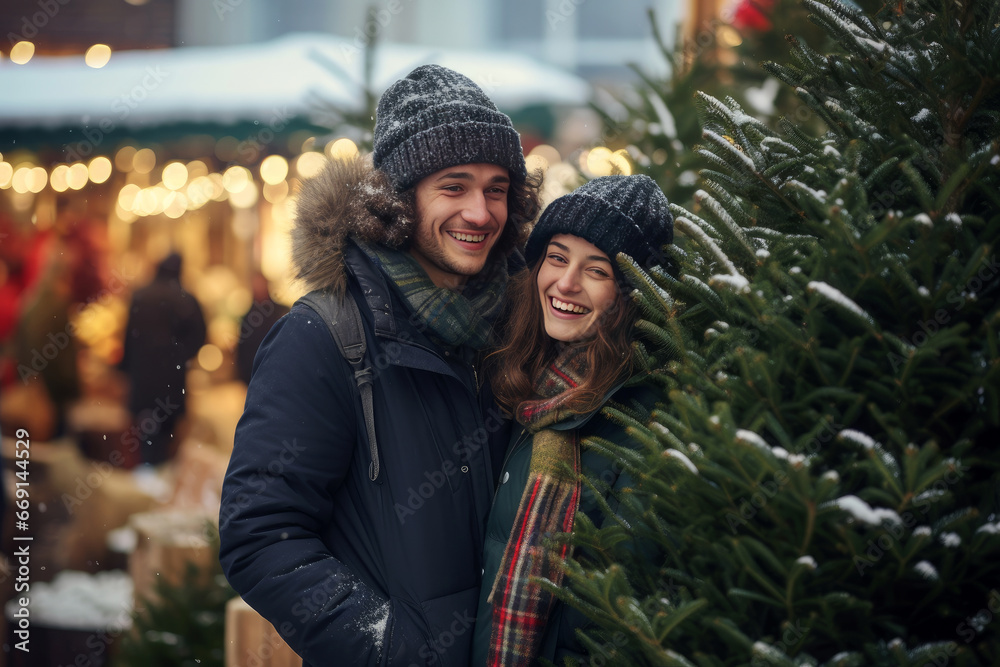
(857,438)
(663,113)
(839,299)
(681,458)
(863,512)
(698,234)
(729,147)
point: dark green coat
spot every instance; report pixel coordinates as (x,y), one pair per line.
(560,638)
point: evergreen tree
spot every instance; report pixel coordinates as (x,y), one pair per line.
(355,124)
(821,478)
(184,623)
(658,123)
(758,32)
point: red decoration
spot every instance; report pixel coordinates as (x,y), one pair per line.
(753,15)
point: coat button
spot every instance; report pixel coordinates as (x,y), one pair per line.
(506,476)
(465,468)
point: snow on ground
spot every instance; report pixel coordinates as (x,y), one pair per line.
(80,601)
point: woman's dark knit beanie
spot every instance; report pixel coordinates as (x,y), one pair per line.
(628,214)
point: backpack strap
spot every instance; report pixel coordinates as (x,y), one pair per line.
(343,319)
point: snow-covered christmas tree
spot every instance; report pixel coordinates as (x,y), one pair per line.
(821,480)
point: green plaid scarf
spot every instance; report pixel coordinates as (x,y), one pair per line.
(451,318)
(521,608)
(553,389)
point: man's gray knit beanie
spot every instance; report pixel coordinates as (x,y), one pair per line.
(437,118)
(628,214)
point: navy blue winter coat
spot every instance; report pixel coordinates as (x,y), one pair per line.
(351,571)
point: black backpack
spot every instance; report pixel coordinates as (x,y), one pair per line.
(343,319)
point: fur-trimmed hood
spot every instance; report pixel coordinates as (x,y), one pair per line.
(348,198)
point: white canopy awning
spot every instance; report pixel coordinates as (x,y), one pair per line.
(293,76)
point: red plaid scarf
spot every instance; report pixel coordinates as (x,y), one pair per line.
(548,505)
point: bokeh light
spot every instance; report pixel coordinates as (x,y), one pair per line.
(276,193)
(273,169)
(145,202)
(175,175)
(127,196)
(77,176)
(19,181)
(97,56)
(341,149)
(597,161)
(620,163)
(99,169)
(245,198)
(236,178)
(124,158)
(38,178)
(309,164)
(728,36)
(196,168)
(210,357)
(58,178)
(22,52)
(175,204)
(600,161)
(144,160)
(547,153)
(218,187)
(199,191)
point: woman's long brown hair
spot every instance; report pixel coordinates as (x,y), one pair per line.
(526,349)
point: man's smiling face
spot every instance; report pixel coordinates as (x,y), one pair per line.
(461,213)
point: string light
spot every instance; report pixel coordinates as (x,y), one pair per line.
(341,149)
(273,169)
(22,52)
(100,169)
(144,160)
(97,56)
(58,178)
(77,176)
(175,175)
(309,164)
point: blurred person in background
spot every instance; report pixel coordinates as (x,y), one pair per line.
(165,329)
(51,276)
(46,348)
(374,558)
(255,324)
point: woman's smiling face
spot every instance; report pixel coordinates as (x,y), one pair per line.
(576,286)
